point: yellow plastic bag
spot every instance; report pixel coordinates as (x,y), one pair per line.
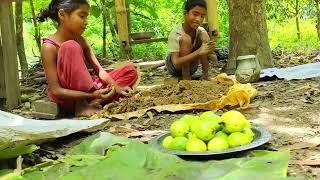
(239,94)
(223,78)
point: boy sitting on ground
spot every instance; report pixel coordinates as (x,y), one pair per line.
(188,44)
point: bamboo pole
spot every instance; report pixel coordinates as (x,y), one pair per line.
(213,21)
(122,24)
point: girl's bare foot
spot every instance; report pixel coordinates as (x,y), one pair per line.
(83,109)
(96,103)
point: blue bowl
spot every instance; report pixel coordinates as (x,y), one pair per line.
(261,137)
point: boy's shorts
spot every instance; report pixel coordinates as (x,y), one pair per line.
(178,73)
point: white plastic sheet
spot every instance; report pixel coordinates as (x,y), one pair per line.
(15,129)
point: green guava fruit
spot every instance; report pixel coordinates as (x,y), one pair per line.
(237,139)
(218,144)
(167,141)
(192,135)
(205,131)
(234,121)
(196,145)
(209,115)
(221,134)
(189,119)
(179,129)
(212,118)
(178,143)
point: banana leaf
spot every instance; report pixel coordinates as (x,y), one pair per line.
(131,159)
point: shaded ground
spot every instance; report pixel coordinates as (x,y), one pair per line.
(288,109)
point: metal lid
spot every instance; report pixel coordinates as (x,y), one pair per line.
(246,57)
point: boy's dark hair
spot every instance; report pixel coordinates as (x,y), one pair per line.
(190,4)
(52,11)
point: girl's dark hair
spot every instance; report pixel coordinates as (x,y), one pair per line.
(190,4)
(55,5)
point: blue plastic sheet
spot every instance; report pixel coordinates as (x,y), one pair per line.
(304,71)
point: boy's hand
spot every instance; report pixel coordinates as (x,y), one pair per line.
(206,48)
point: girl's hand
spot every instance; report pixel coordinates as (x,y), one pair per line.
(105,94)
(125,91)
(206,48)
(104,76)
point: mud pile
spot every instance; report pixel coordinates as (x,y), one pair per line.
(184,92)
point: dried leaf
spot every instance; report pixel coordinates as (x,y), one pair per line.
(150,115)
(128,132)
(134,134)
(124,131)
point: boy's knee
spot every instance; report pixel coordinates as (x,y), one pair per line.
(185,39)
(71,45)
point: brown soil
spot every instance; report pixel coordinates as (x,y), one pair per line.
(184,92)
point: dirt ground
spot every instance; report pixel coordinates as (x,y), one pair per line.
(288,109)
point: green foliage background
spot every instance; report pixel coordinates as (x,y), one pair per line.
(162,15)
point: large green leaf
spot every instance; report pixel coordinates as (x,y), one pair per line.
(5,143)
(5,172)
(16,151)
(135,160)
(98,143)
(141,161)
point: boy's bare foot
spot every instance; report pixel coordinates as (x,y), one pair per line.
(83,109)
(204,78)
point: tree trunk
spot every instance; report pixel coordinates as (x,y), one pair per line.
(19,34)
(248,32)
(36,27)
(318,17)
(297,19)
(104,35)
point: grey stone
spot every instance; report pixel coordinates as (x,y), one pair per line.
(39,115)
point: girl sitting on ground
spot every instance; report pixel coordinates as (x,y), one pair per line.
(64,55)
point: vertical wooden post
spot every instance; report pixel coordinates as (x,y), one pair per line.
(128,17)
(123,30)
(2,80)
(213,21)
(9,52)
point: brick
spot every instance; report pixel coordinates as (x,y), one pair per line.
(45,109)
